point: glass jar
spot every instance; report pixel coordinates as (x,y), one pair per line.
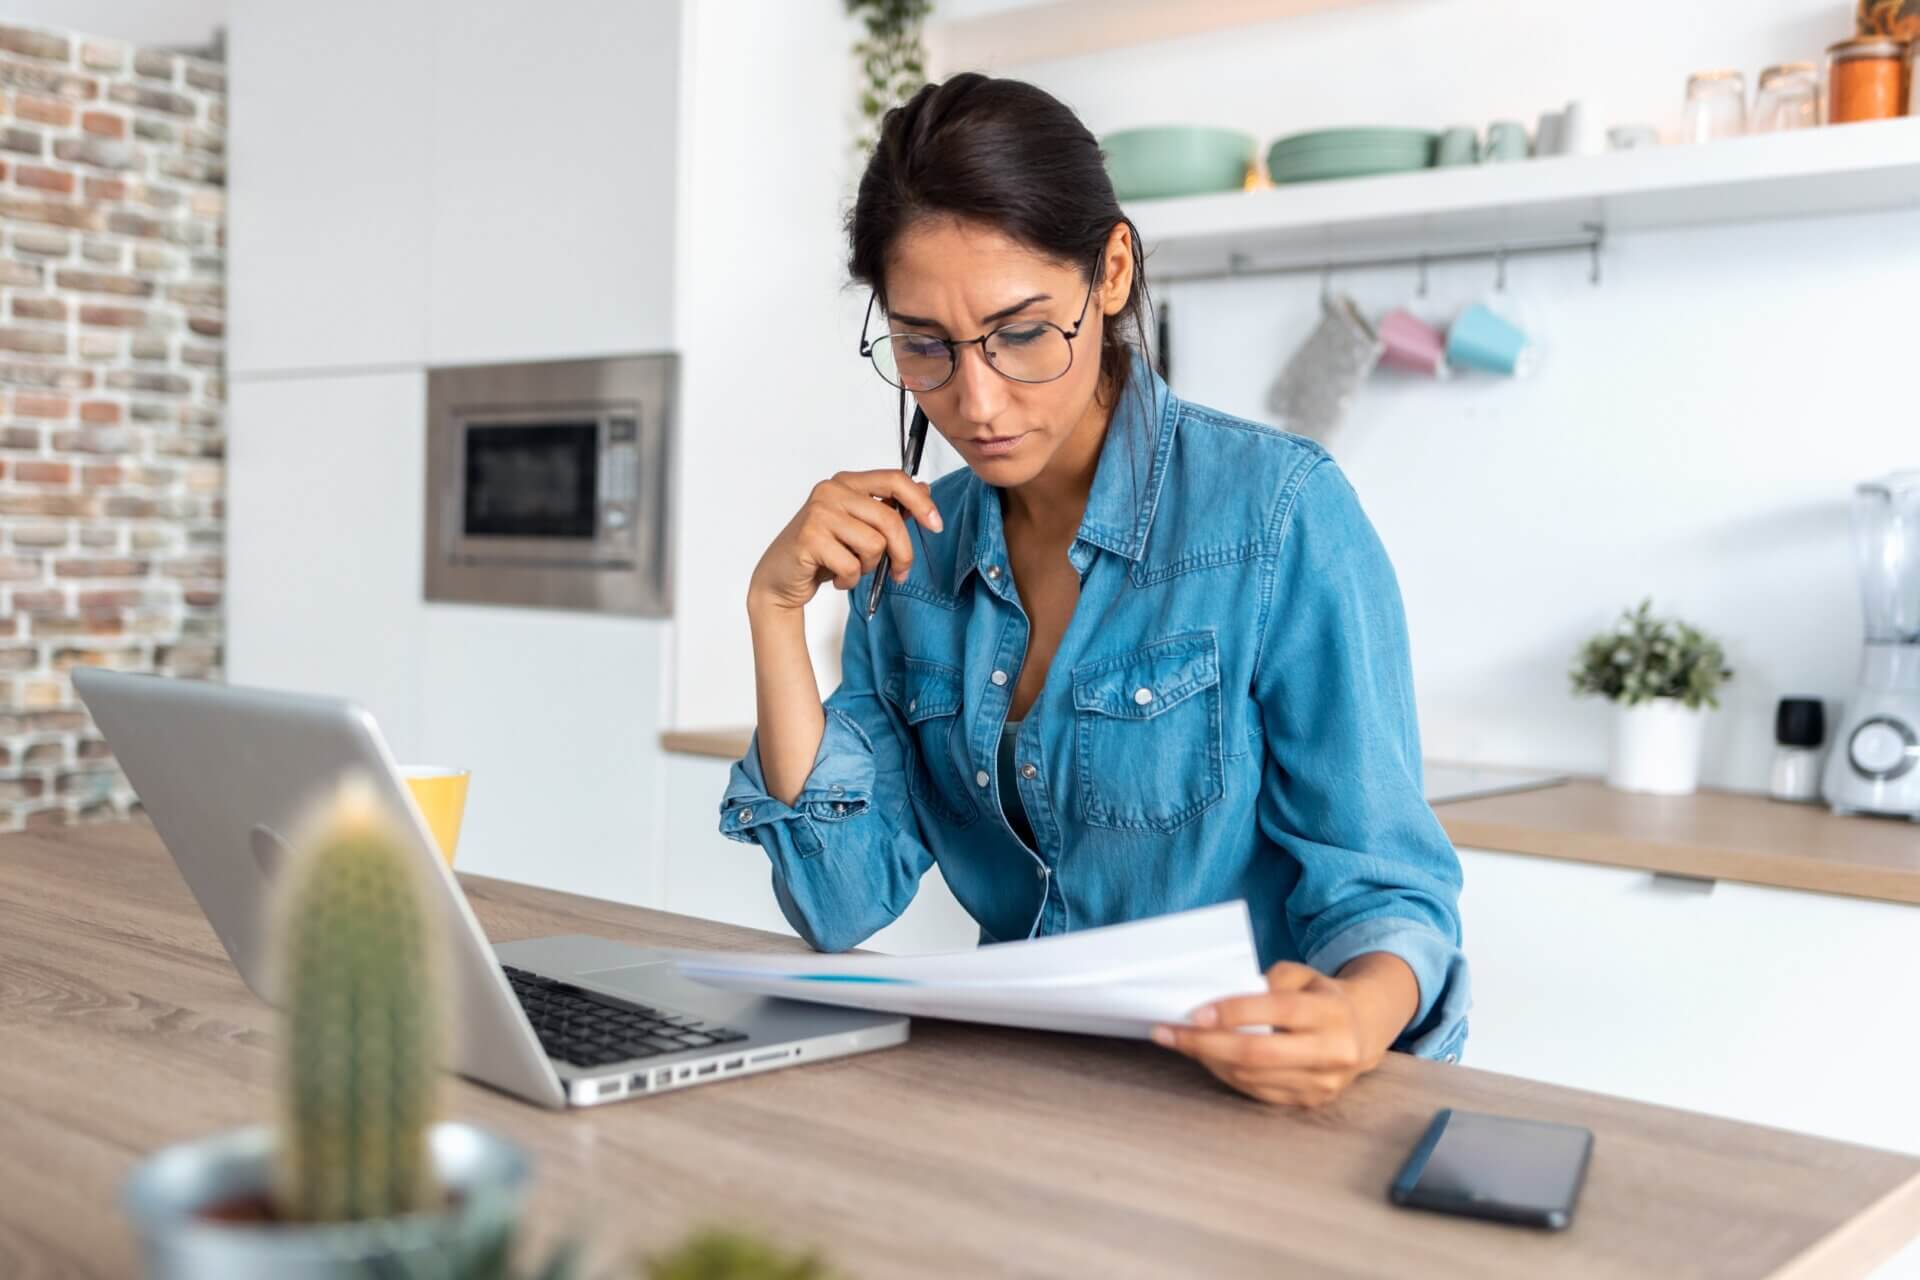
(1716,105)
(1788,98)
(1865,80)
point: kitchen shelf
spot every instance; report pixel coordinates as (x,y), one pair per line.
(1855,168)
(1029,32)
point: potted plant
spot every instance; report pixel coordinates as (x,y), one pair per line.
(355,1177)
(1661,676)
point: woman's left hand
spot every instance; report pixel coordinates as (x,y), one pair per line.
(1327,1033)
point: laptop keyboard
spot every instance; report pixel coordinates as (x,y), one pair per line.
(587,1029)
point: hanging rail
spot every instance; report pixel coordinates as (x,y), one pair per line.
(1239,265)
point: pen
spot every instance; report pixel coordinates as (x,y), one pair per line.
(916,441)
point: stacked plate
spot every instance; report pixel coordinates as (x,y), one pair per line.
(1348,153)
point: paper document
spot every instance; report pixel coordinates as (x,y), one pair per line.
(1121,980)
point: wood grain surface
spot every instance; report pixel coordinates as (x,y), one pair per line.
(970,1151)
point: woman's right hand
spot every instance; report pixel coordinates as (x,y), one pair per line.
(838,537)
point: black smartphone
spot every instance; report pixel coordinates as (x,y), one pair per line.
(1484,1166)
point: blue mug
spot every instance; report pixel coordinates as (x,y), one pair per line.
(1482,339)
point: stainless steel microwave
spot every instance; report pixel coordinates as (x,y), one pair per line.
(547,484)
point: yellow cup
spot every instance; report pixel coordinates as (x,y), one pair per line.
(441,793)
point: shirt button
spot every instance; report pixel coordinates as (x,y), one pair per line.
(745,815)
(980,779)
(1143,695)
(836,788)
(913,704)
(999,677)
(1029,770)
(993,571)
(1042,872)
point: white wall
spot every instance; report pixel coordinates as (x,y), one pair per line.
(1702,414)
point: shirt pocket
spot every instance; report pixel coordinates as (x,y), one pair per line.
(927,695)
(1148,734)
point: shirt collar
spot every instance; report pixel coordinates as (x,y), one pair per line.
(1126,483)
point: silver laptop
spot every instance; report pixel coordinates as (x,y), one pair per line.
(570,1020)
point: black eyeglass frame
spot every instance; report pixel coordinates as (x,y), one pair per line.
(953,345)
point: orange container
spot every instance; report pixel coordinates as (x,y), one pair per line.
(1866,80)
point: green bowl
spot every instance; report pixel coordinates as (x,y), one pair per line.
(1148,164)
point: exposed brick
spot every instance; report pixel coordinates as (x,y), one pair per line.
(158,476)
(43,244)
(103,253)
(31,404)
(99,346)
(18,659)
(193,168)
(104,123)
(59,376)
(30,142)
(192,567)
(57,212)
(210,357)
(197,294)
(95,440)
(44,695)
(100,412)
(146,379)
(100,477)
(36,341)
(32,472)
(150,99)
(103,55)
(48,504)
(207,140)
(109,569)
(23,789)
(130,508)
(209,204)
(35,44)
(43,110)
(93,749)
(207,326)
(150,130)
(21,438)
(201,597)
(40,535)
(202,76)
(22,274)
(65,659)
(6,754)
(217,113)
(57,180)
(58,722)
(98,152)
(40,308)
(127,223)
(122,317)
(47,80)
(154,65)
(92,625)
(45,753)
(100,537)
(20,568)
(104,188)
(119,598)
(155,197)
(151,346)
(151,411)
(148,257)
(103,282)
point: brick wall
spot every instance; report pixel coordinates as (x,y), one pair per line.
(112,396)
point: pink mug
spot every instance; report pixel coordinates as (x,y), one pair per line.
(1413,345)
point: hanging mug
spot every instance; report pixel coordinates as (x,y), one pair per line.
(1480,338)
(1413,345)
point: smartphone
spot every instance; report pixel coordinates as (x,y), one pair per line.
(1485,1166)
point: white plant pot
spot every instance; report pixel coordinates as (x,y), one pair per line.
(1656,748)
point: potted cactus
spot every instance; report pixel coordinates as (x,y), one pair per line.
(355,1177)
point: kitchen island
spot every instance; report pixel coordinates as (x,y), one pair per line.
(969,1151)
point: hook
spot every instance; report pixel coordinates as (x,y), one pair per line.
(1238,263)
(1326,283)
(1500,269)
(1422,290)
(1593,261)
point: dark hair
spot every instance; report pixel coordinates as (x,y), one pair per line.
(1008,155)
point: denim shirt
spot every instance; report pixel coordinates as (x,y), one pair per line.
(1230,714)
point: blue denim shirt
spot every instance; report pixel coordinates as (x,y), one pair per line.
(1230,714)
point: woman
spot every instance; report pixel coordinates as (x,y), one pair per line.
(1137,657)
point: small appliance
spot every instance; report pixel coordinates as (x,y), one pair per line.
(1874,766)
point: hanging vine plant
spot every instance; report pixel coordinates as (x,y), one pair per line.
(892,57)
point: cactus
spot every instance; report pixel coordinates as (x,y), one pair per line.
(719,1254)
(360,1019)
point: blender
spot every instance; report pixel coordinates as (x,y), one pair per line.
(1875,764)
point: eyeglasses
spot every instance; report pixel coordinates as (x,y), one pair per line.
(1023,351)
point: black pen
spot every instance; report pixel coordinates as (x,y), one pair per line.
(916,441)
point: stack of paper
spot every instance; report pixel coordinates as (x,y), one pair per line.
(1122,980)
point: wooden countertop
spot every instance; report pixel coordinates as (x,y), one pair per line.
(1721,835)
(969,1151)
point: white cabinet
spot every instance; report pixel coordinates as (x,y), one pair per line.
(452,182)
(1768,1005)
(328,181)
(553,156)
(710,876)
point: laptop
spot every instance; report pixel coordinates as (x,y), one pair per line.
(572,1020)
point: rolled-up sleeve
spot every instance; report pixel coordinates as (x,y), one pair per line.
(846,855)
(1342,792)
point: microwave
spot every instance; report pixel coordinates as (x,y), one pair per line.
(547,484)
